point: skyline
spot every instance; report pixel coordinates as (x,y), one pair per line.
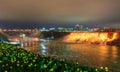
(67,13)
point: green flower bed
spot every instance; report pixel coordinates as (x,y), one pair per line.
(13,59)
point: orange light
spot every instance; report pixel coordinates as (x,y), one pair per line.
(35,39)
(16,40)
(90,37)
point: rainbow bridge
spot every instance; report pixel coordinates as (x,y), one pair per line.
(4,39)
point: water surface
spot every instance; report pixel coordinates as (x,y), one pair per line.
(84,54)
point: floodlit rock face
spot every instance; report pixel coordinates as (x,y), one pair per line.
(91,37)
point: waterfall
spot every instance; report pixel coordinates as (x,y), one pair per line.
(90,37)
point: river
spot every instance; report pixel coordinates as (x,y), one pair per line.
(85,54)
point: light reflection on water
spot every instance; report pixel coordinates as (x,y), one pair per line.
(92,55)
(31,46)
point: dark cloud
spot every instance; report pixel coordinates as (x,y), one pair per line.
(61,11)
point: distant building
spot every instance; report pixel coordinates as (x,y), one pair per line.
(81,27)
(95,29)
(106,29)
(51,28)
(77,27)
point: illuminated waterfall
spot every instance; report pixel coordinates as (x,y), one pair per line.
(90,37)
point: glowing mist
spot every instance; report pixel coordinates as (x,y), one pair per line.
(91,37)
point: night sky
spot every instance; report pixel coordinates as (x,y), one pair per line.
(54,13)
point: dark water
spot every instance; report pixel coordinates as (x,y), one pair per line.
(85,54)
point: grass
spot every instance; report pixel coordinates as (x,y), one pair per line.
(13,59)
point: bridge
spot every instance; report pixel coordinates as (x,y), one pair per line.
(18,37)
(4,39)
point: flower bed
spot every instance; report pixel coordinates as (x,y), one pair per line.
(13,59)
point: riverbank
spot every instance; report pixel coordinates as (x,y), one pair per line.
(13,59)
